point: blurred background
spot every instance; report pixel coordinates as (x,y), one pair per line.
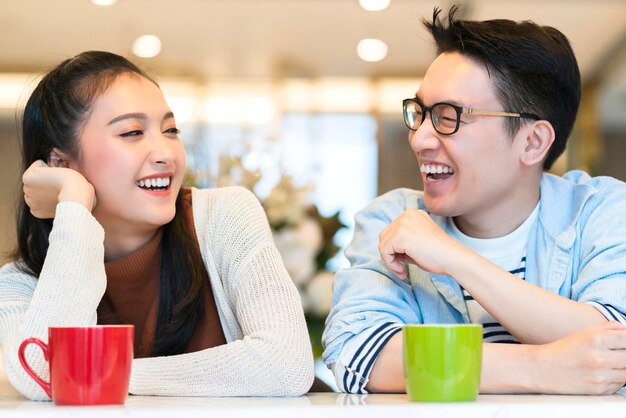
(299,100)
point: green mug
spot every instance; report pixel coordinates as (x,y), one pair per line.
(442,362)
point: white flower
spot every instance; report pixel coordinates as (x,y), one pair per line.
(299,247)
(309,234)
(319,293)
(287,203)
(297,255)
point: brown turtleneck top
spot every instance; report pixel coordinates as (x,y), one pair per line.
(132,295)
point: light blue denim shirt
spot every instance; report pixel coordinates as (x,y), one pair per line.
(576,249)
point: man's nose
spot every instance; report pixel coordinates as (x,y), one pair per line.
(425,137)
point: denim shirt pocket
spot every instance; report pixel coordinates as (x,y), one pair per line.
(558,264)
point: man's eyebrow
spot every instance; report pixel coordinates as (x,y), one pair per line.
(141,116)
(168,115)
(455,102)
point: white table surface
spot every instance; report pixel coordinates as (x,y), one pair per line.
(326,405)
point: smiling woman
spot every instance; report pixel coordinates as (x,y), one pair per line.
(107,235)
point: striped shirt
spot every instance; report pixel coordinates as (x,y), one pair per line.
(493,332)
(507,252)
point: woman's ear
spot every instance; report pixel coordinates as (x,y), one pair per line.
(58,158)
(537,142)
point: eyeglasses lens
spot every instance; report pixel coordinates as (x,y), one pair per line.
(413,115)
(444,118)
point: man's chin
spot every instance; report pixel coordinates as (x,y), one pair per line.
(439,209)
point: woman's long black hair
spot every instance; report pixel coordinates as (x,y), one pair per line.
(53,118)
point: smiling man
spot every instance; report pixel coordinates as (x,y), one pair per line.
(538,260)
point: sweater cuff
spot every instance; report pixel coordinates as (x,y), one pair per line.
(74,219)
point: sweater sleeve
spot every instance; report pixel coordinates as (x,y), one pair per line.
(273,357)
(66,293)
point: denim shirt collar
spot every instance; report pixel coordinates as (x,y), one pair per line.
(562,201)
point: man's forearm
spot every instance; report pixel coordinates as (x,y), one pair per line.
(506,368)
(509,368)
(530,313)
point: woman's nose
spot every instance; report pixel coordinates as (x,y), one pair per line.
(162,150)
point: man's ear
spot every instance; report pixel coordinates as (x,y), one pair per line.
(58,158)
(537,141)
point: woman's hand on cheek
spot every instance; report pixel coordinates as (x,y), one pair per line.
(45,187)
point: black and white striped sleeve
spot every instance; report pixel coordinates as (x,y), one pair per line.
(363,352)
(610,312)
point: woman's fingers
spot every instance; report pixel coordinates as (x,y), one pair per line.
(45,187)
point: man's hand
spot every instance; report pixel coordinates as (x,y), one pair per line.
(415,238)
(590,362)
(46,186)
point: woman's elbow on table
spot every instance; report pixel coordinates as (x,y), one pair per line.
(294,372)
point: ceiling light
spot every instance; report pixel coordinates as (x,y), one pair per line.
(374,5)
(103,2)
(147,46)
(371,50)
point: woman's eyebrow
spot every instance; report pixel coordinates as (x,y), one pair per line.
(137,115)
(141,116)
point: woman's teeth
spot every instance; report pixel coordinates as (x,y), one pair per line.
(160,183)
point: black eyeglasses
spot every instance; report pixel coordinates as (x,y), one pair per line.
(446,117)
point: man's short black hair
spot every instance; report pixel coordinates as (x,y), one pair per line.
(533,67)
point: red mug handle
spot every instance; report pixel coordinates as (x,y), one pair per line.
(44,347)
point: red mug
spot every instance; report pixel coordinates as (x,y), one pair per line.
(88,365)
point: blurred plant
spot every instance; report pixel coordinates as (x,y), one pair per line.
(303,236)
(190,179)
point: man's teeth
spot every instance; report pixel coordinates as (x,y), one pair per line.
(436,169)
(157,183)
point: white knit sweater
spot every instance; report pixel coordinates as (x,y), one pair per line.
(268,351)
